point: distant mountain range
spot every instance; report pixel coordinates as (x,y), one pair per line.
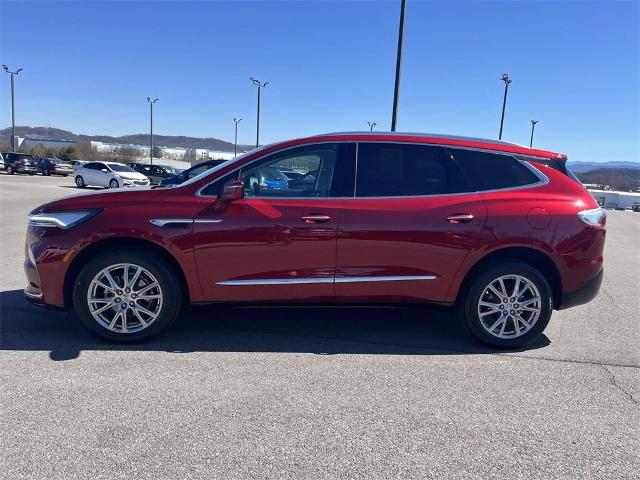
(136,139)
(588,166)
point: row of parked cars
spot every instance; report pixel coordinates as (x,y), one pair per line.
(102,174)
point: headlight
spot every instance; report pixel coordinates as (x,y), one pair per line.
(64,220)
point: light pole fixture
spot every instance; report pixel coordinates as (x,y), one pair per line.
(151,102)
(396,89)
(371,125)
(235,141)
(260,86)
(533,127)
(507,81)
(13,106)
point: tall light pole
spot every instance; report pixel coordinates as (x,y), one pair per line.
(151,102)
(396,90)
(507,81)
(13,106)
(371,125)
(260,87)
(235,141)
(533,127)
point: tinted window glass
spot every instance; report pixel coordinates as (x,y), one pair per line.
(92,166)
(300,172)
(397,170)
(492,171)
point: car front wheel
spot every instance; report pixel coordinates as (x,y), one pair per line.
(127,295)
(508,305)
(10,170)
(113,183)
(80,182)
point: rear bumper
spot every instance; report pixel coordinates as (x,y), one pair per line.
(584,294)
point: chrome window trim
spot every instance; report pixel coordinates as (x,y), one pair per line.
(313,280)
(543,179)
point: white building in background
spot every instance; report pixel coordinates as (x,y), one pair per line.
(29,142)
(172,153)
(615,199)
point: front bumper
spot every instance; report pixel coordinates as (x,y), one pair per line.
(583,295)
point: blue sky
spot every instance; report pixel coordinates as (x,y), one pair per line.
(89,66)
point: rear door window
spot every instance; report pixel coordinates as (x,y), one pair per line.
(492,171)
(401,170)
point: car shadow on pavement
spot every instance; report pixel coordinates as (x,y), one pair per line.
(415,330)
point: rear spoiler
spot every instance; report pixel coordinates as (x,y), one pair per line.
(558,163)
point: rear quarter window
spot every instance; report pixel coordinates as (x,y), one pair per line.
(492,171)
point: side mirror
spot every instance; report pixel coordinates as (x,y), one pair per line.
(234,190)
(104,170)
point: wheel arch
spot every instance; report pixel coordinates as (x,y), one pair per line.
(530,256)
(116,243)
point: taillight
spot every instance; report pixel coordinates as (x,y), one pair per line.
(595,216)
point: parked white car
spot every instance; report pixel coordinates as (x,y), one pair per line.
(108,174)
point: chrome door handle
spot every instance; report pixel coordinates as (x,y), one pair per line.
(460,218)
(315,218)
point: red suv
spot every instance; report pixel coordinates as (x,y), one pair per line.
(503,232)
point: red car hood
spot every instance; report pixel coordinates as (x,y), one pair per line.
(108,198)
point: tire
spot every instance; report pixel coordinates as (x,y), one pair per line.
(167,308)
(80,182)
(113,184)
(10,170)
(46,173)
(65,175)
(480,319)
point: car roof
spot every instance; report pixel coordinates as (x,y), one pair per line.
(436,139)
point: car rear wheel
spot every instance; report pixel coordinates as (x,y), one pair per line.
(508,305)
(46,172)
(80,182)
(113,183)
(127,295)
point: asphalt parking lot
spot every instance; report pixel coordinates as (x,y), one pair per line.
(317,393)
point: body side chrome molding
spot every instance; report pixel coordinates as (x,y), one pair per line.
(276,281)
(207,220)
(162,222)
(384,279)
(299,281)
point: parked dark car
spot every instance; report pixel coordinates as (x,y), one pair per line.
(190,173)
(54,166)
(155,173)
(19,163)
(500,232)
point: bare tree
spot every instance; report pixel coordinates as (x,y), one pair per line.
(127,154)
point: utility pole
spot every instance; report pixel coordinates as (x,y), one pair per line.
(396,90)
(371,125)
(13,105)
(151,102)
(260,87)
(507,81)
(533,127)
(235,141)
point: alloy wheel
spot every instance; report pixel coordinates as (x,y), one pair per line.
(509,306)
(125,298)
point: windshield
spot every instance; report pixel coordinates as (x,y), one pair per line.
(120,168)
